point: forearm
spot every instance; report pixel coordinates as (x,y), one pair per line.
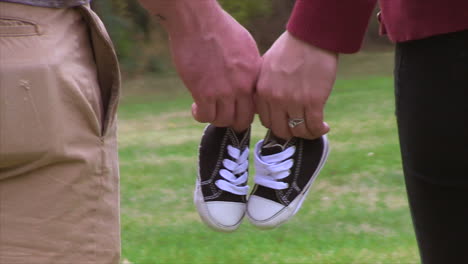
(216,58)
(184,16)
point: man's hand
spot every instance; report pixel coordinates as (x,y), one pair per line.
(217,59)
(295,81)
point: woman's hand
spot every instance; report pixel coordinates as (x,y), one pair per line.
(295,81)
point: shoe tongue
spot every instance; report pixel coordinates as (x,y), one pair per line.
(241,137)
(273,145)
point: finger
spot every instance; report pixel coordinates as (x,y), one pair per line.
(263,111)
(279,122)
(244,113)
(224,113)
(315,124)
(299,130)
(204,112)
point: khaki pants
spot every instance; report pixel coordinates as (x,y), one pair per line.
(59,179)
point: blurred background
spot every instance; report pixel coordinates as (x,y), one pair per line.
(133,29)
(357,211)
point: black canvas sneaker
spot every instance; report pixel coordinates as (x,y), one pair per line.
(221,188)
(285,171)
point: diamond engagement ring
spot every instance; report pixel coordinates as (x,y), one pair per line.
(293,122)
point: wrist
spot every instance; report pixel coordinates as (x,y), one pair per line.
(180,17)
(309,48)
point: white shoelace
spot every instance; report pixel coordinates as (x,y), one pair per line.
(272,168)
(231,183)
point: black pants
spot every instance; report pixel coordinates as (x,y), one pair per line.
(431,80)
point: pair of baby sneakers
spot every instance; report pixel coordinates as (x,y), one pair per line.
(284,173)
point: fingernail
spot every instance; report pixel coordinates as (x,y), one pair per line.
(327,127)
(194,109)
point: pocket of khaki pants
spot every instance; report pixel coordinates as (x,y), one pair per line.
(18,27)
(107,67)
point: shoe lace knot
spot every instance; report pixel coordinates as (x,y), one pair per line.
(235,172)
(271,169)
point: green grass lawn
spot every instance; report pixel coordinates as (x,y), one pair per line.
(357,211)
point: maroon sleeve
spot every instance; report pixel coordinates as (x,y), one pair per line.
(336,25)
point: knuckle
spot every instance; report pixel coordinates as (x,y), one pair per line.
(301,99)
(209,97)
(224,94)
(298,99)
(245,88)
(212,95)
(275,96)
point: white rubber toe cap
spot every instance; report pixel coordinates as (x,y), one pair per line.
(226,213)
(261,209)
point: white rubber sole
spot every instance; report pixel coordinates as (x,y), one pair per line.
(289,211)
(204,213)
